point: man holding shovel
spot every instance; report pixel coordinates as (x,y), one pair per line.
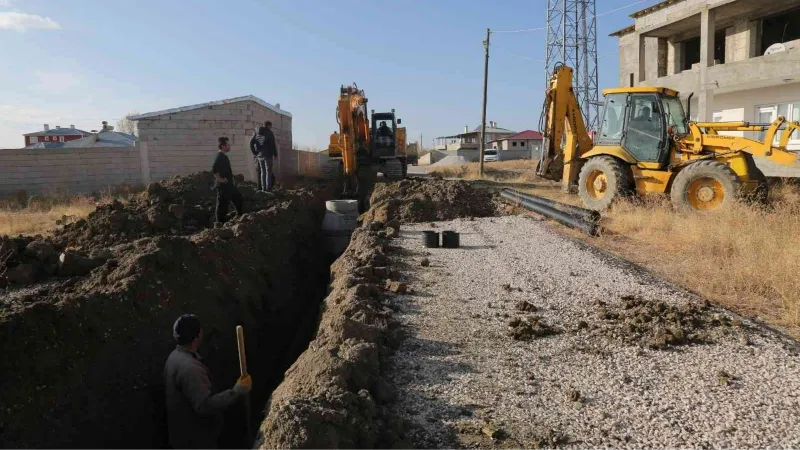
(194,411)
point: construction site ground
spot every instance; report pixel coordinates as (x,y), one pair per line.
(523,337)
(526,338)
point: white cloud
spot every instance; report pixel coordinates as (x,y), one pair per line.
(21,21)
(5,3)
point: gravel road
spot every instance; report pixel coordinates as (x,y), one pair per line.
(592,372)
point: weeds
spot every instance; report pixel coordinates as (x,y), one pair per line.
(31,215)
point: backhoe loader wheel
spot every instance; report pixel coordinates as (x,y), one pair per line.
(705,186)
(603,180)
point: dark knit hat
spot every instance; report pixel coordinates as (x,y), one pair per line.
(186,328)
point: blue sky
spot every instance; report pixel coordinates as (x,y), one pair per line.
(83,61)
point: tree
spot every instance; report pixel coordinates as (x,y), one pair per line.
(126,125)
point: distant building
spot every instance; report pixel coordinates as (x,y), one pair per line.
(57,134)
(468,140)
(106,137)
(525,141)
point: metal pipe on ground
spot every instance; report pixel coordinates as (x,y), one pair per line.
(589,227)
(586,214)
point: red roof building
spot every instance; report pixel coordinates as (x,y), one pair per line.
(527,140)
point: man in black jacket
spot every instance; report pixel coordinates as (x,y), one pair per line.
(224,183)
(263,146)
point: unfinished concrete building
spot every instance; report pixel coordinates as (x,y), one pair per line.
(740,58)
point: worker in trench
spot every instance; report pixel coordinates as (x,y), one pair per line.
(224,183)
(194,411)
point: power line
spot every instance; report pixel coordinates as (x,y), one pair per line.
(519,31)
(621,8)
(525,30)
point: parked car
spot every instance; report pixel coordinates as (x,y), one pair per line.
(490,156)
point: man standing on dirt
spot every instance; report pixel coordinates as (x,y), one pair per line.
(224,183)
(263,146)
(194,413)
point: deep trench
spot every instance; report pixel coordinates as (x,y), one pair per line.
(285,340)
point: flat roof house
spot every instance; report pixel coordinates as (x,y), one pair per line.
(184,140)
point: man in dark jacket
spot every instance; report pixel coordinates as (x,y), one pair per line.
(194,412)
(224,182)
(263,146)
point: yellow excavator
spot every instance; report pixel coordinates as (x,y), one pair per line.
(364,146)
(645,144)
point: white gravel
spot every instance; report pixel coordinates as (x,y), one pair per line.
(458,370)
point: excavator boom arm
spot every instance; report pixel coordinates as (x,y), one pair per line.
(562,123)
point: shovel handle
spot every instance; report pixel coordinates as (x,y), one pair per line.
(240,344)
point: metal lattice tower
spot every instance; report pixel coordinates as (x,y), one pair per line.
(572,40)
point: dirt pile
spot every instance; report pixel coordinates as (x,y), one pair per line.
(179,206)
(425,200)
(83,357)
(529,327)
(334,396)
(658,325)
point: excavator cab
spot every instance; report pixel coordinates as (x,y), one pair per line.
(384,130)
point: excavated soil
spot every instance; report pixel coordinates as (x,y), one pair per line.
(658,325)
(180,206)
(83,355)
(425,200)
(336,395)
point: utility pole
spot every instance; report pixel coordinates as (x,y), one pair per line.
(483,115)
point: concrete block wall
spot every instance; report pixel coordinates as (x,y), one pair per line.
(75,170)
(186,141)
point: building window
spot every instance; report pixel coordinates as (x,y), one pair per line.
(779,28)
(768,113)
(514,144)
(61,139)
(47,138)
(522,144)
(34,139)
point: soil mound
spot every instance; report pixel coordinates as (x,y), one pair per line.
(333,395)
(83,356)
(658,325)
(425,200)
(179,206)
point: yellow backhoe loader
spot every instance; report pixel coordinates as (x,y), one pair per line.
(364,146)
(645,144)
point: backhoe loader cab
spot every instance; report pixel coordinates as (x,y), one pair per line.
(646,145)
(641,121)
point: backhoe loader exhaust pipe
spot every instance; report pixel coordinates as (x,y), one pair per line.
(587,226)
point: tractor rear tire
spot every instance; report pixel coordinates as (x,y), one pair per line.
(705,186)
(602,181)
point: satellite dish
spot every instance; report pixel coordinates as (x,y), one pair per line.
(775,48)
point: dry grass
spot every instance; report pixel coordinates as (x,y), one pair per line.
(21,214)
(746,258)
